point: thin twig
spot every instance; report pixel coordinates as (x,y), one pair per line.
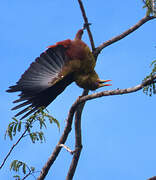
(14,145)
(86,24)
(79,109)
(27,175)
(124,34)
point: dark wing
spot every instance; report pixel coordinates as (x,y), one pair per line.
(41,83)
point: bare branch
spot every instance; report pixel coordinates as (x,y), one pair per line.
(78,142)
(83,99)
(14,145)
(27,175)
(86,24)
(62,140)
(124,34)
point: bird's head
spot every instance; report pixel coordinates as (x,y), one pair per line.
(95,83)
(91,81)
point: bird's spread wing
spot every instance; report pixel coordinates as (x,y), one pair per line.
(42,83)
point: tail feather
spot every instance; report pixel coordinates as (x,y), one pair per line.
(44,98)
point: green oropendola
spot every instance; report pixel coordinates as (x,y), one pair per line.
(61,64)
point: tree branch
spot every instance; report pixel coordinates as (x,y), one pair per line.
(62,140)
(14,145)
(73,109)
(86,24)
(138,87)
(79,109)
(71,113)
(124,34)
(78,142)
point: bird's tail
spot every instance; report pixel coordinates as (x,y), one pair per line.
(44,98)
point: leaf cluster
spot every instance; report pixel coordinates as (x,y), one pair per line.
(13,128)
(26,128)
(151,89)
(151,7)
(40,117)
(17,165)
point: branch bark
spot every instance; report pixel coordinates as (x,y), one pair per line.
(58,148)
(78,142)
(138,87)
(122,35)
(86,24)
(79,109)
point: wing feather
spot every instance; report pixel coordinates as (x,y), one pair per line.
(38,85)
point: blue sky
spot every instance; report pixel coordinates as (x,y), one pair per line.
(119,139)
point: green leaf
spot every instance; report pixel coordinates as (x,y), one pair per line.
(19,126)
(10,130)
(41,136)
(151,7)
(52,119)
(150,89)
(15,119)
(36,136)
(16,177)
(153,63)
(42,122)
(32,137)
(24,168)
(17,165)
(14,129)
(13,164)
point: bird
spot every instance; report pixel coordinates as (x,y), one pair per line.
(57,67)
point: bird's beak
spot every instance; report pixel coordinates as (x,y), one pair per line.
(103,81)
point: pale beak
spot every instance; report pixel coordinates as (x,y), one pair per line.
(103,81)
